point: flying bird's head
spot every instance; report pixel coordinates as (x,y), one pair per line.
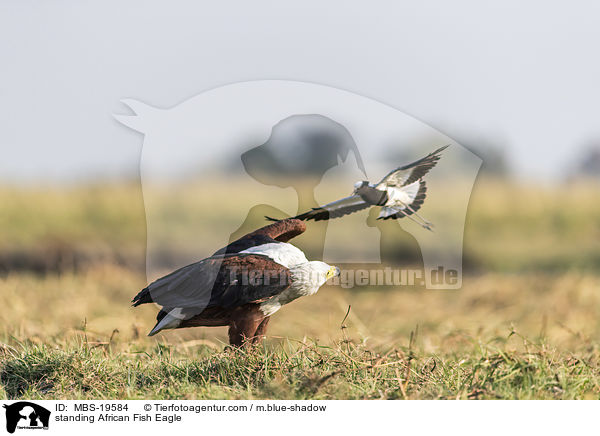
(359,185)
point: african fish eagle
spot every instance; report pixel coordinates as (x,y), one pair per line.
(400,194)
(239,286)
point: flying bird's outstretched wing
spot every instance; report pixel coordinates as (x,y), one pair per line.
(334,209)
(401,193)
(407,174)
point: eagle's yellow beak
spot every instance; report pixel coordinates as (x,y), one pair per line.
(333,271)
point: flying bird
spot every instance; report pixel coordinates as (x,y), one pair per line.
(400,193)
(240,285)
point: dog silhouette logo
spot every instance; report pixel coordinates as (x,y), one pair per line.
(280,148)
(26,415)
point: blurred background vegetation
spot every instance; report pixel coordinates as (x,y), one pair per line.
(511,227)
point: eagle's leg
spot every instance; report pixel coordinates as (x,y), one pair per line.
(238,333)
(260,332)
(244,327)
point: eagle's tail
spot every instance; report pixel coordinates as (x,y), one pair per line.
(167,320)
(142,297)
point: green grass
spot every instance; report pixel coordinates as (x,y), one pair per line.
(306,370)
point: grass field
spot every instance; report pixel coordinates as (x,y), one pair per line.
(525,325)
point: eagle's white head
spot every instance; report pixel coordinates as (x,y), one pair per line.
(308,277)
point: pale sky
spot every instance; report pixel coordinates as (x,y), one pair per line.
(523,74)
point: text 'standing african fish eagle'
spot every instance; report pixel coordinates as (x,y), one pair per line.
(239,286)
(400,194)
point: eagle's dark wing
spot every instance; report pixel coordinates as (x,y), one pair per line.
(244,243)
(335,209)
(280,231)
(219,281)
(410,173)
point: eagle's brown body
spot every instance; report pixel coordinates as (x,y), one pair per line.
(246,323)
(215,292)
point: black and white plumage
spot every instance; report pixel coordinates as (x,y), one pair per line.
(239,286)
(400,193)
